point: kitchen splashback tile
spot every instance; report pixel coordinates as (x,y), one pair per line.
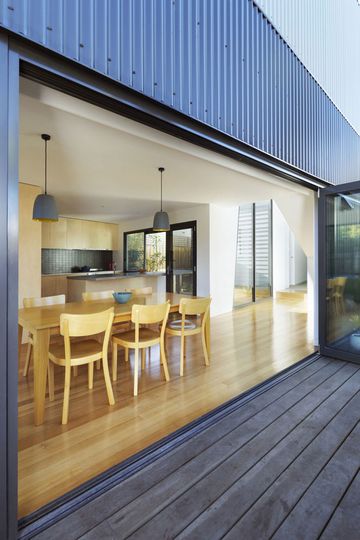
(59,261)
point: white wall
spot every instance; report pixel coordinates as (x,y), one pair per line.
(223,232)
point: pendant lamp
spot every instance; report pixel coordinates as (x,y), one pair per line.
(45,205)
(161,219)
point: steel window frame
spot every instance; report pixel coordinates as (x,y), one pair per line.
(326,349)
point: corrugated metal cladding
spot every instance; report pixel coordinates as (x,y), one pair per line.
(219,61)
(325,35)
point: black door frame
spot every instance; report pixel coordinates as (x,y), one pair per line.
(169,248)
(20,57)
(322,276)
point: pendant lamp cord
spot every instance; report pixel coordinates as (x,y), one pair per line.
(161,191)
(46,167)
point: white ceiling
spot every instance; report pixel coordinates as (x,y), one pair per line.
(103,166)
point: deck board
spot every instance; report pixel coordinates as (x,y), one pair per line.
(254,473)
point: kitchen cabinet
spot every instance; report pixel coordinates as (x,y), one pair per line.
(53,285)
(54,234)
(75,234)
(69,233)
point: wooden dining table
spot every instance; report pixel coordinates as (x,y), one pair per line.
(43,321)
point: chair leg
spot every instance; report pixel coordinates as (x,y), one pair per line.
(143,352)
(51,381)
(182,342)
(65,413)
(136,372)
(27,359)
(91,375)
(114,361)
(109,390)
(164,360)
(98,364)
(126,354)
(149,354)
(203,340)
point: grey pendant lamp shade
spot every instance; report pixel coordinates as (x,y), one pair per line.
(45,205)
(161,219)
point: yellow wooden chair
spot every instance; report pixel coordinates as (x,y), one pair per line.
(142,338)
(189,327)
(97,295)
(38,302)
(103,295)
(142,290)
(87,351)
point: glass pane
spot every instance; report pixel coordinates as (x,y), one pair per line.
(244,257)
(343,272)
(182,261)
(135,251)
(263,249)
(155,246)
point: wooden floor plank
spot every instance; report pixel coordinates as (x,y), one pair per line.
(248,346)
(263,518)
(316,506)
(118,497)
(207,475)
(345,523)
(281,472)
(212,505)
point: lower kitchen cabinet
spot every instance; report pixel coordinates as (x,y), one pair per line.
(53,285)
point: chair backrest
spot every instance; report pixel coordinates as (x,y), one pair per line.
(88,324)
(142,290)
(194,306)
(97,295)
(44,301)
(149,314)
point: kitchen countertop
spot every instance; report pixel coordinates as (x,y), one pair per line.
(66,274)
(112,276)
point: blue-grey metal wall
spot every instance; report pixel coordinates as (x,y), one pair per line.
(219,61)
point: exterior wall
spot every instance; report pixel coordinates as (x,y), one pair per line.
(325,35)
(222,63)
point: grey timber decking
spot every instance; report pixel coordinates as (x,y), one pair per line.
(283,465)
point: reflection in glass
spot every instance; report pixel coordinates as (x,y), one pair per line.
(263,249)
(155,246)
(135,251)
(343,272)
(244,256)
(253,246)
(183,263)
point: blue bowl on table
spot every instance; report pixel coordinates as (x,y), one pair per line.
(122,297)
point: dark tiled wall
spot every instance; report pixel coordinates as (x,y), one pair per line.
(58,261)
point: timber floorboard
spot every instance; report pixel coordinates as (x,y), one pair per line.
(284,464)
(248,346)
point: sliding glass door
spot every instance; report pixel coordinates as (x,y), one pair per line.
(253,266)
(339,271)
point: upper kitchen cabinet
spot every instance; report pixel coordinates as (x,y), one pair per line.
(70,233)
(54,234)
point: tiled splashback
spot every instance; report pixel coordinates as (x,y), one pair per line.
(59,261)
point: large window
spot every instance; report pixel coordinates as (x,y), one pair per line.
(145,250)
(340,277)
